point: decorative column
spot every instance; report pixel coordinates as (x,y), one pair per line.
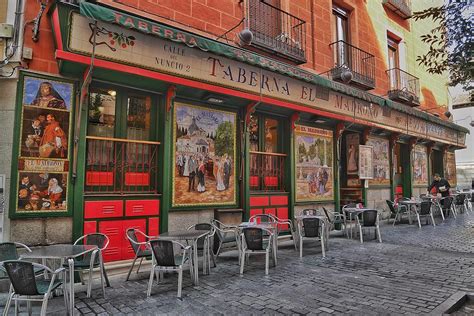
(394,137)
(337,165)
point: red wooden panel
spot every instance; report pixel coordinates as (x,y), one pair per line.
(270,181)
(103,209)
(255,211)
(137,178)
(153,226)
(99,178)
(282,213)
(113,230)
(271,211)
(253,181)
(142,207)
(90,227)
(279,200)
(259,201)
(127,251)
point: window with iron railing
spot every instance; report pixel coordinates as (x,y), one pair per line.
(404,87)
(277,31)
(349,58)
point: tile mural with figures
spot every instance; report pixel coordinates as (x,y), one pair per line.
(204,156)
(314,164)
(420,165)
(450,169)
(43,144)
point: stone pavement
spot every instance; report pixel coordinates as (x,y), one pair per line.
(411,272)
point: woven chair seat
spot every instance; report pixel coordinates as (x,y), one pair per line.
(4,275)
(42,285)
(144,253)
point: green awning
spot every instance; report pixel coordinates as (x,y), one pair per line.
(104,14)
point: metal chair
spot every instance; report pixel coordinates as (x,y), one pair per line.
(334,218)
(447,205)
(459,203)
(348,220)
(468,201)
(263,218)
(425,210)
(205,245)
(93,260)
(397,210)
(140,248)
(311,228)
(369,218)
(225,234)
(256,240)
(283,222)
(166,260)
(26,287)
(9,251)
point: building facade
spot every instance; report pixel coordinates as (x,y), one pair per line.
(162,114)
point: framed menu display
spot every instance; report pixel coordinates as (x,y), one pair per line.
(366,170)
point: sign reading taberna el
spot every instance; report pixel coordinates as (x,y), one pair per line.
(125,39)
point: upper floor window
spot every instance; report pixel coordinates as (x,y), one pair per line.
(341,18)
(277,31)
(393,60)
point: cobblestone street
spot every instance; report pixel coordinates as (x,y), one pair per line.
(411,272)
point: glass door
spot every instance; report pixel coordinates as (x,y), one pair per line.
(121,152)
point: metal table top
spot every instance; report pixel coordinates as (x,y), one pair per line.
(58,251)
(183,234)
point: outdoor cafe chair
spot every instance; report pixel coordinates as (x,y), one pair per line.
(286,222)
(447,205)
(397,210)
(425,210)
(225,234)
(25,286)
(140,248)
(468,201)
(205,245)
(166,259)
(334,218)
(257,240)
(348,220)
(369,219)
(9,251)
(93,260)
(263,218)
(459,203)
(311,228)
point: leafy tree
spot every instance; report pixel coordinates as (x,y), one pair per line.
(450,41)
(224,140)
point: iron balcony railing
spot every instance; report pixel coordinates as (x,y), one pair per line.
(267,171)
(121,166)
(404,86)
(400,7)
(277,31)
(361,64)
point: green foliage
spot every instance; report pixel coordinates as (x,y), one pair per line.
(224,139)
(450,41)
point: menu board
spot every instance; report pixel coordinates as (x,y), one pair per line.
(366,170)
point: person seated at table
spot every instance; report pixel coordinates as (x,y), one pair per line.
(442,185)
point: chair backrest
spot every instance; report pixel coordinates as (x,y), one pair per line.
(22,277)
(369,218)
(311,227)
(425,207)
(163,251)
(263,218)
(326,212)
(132,238)
(391,206)
(95,239)
(8,251)
(446,201)
(309,211)
(459,199)
(253,238)
(201,226)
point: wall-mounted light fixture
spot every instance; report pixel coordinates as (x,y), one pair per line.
(215,99)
